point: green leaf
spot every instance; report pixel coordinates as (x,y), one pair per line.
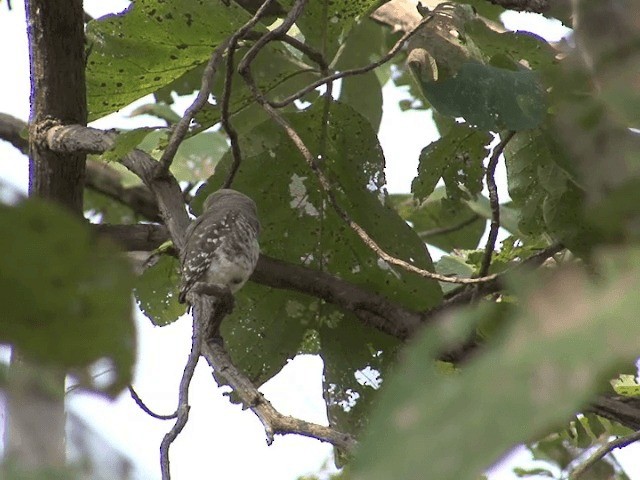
(533,472)
(453,265)
(159,110)
(457,158)
(277,72)
(545,192)
(552,449)
(508,216)
(196,157)
(595,425)
(489,98)
(574,319)
(484,8)
(149,45)
(108,209)
(626,385)
(364,94)
(325,23)
(157,292)
(66,295)
(124,143)
(437,213)
(299,226)
(521,48)
(364,44)
(582,438)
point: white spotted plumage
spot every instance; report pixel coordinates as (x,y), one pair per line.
(221,245)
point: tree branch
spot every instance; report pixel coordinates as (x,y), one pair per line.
(141,237)
(147,410)
(495,204)
(273,421)
(106,180)
(336,76)
(617,408)
(434,232)
(183,399)
(100,177)
(181,128)
(11,129)
(605,449)
(537,6)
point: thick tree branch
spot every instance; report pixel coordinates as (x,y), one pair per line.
(100,177)
(372,309)
(106,180)
(624,410)
(141,237)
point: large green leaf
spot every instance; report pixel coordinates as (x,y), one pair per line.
(520,48)
(457,158)
(545,193)
(489,97)
(298,225)
(157,292)
(464,69)
(583,328)
(151,44)
(66,295)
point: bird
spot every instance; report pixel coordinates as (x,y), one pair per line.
(221,247)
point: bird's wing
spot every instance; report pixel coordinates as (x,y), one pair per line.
(200,244)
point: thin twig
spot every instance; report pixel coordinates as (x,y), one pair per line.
(354,71)
(433,232)
(494,202)
(605,449)
(310,52)
(183,398)
(181,128)
(226,95)
(147,410)
(224,117)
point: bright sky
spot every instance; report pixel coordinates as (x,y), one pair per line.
(219,437)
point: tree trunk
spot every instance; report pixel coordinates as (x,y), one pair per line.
(35,407)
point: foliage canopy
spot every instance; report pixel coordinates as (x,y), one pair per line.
(541,342)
